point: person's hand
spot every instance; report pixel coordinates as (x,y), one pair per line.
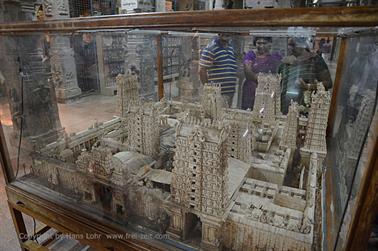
(289,60)
(248,64)
(305,86)
(302,84)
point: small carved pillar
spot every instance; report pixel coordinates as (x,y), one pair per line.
(62,60)
(175,229)
(211,233)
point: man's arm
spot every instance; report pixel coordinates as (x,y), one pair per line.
(249,74)
(323,73)
(248,59)
(203,74)
(206,61)
(325,78)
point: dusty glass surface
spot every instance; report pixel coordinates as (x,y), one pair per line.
(356,106)
(233,152)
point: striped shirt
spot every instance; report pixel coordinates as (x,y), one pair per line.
(220,63)
(309,70)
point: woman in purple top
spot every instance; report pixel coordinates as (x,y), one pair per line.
(262,61)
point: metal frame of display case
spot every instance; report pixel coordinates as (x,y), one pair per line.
(63,217)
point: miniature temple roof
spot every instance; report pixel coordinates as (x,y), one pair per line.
(159,176)
(237,170)
(210,134)
(133,161)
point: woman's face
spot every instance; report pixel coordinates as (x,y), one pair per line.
(262,46)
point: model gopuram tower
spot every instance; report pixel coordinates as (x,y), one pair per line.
(267,103)
(315,140)
(289,136)
(200,174)
(127,92)
(141,121)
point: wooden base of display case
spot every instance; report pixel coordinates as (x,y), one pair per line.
(69,220)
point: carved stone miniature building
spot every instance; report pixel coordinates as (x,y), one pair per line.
(267,103)
(127,92)
(289,137)
(227,188)
(315,140)
(142,121)
(200,173)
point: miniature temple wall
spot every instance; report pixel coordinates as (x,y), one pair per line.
(272,174)
(63,175)
(313,212)
(145,202)
(78,141)
(241,234)
(270,226)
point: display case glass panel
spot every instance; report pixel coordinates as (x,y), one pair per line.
(204,137)
(355,122)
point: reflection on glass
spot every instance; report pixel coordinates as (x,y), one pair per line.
(356,115)
(186,166)
(301,69)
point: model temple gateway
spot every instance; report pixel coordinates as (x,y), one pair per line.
(209,176)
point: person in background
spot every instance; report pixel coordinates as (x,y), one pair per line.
(254,63)
(326,49)
(218,65)
(300,70)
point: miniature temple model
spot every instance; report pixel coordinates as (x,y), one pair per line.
(211,177)
(315,140)
(289,137)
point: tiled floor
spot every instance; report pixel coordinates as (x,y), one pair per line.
(75,117)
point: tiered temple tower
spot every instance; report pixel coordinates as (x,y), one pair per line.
(127,92)
(267,98)
(200,175)
(142,121)
(289,136)
(361,125)
(315,140)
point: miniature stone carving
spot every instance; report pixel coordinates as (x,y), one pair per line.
(289,137)
(315,140)
(230,192)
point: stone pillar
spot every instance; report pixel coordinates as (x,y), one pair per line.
(31,96)
(63,68)
(26,71)
(211,233)
(175,229)
(42,124)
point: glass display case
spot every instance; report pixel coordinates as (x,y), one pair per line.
(191,131)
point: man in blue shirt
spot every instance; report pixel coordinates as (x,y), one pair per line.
(218,65)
